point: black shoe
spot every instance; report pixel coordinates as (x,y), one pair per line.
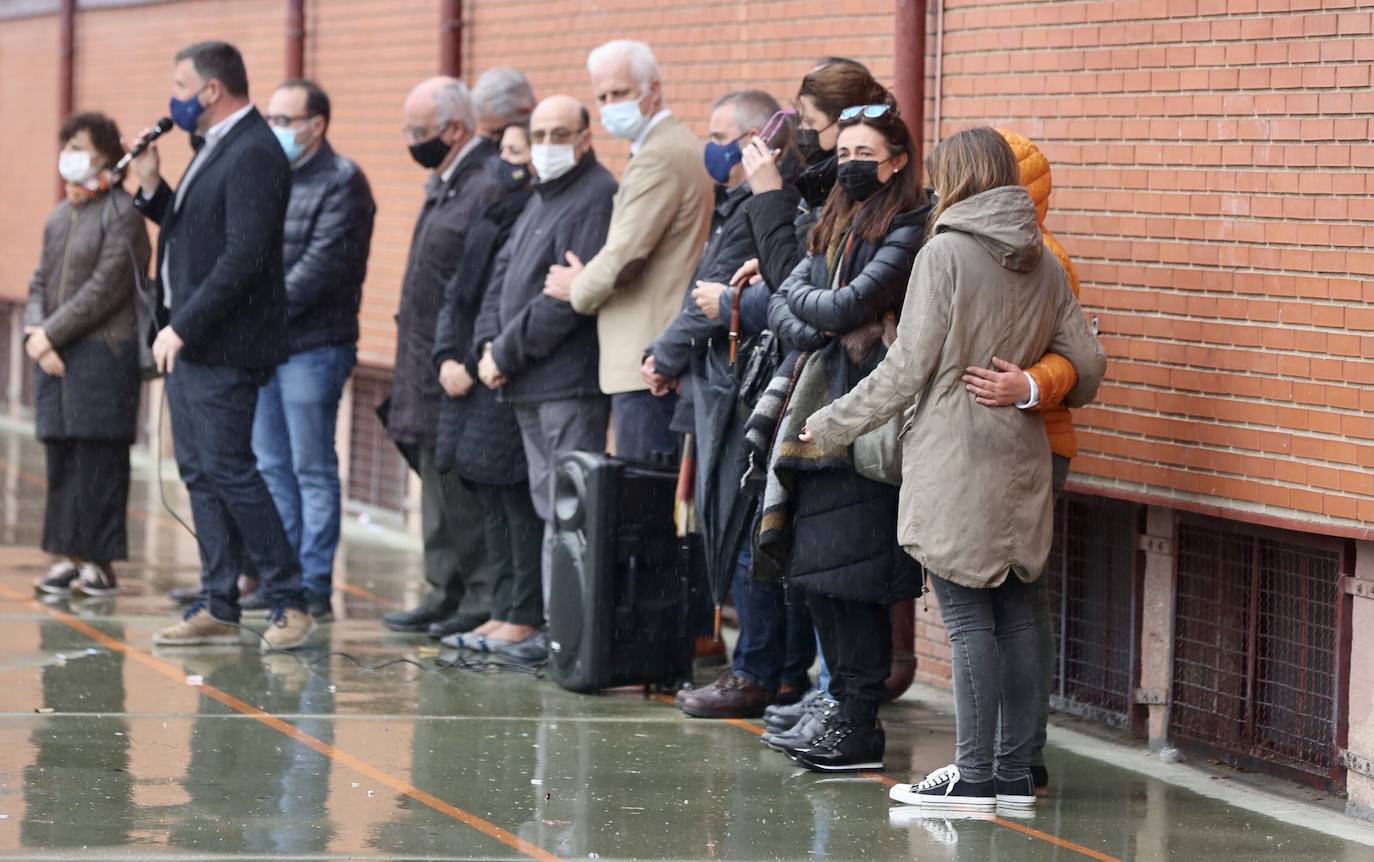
(847,747)
(779,718)
(1041,776)
(255,602)
(414,620)
(320,608)
(828,720)
(805,731)
(460,624)
(58,581)
(1014,793)
(944,788)
(96,581)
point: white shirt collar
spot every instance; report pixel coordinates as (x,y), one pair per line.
(462,154)
(662,115)
(220,129)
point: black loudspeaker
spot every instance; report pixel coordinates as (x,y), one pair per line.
(618,605)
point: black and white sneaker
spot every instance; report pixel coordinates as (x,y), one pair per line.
(96,581)
(1041,775)
(58,581)
(1014,793)
(944,788)
(846,747)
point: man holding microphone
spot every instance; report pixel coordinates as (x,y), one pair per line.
(223,295)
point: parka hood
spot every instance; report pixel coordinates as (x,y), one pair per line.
(1004,222)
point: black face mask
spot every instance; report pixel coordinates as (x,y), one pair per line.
(816,181)
(859,179)
(431,153)
(514,177)
(809,146)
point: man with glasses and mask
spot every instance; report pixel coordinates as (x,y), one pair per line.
(327,237)
(442,133)
(634,285)
(537,351)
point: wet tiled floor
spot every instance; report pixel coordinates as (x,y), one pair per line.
(113,749)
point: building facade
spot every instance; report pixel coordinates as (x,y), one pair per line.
(1214,182)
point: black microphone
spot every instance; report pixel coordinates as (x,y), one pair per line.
(163,126)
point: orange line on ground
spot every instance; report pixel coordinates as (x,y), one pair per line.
(884,780)
(177,675)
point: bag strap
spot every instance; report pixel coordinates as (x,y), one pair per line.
(735,326)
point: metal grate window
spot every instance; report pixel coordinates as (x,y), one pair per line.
(1092,581)
(1257,647)
(377,473)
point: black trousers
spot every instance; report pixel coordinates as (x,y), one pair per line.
(515,539)
(236,521)
(88,500)
(856,640)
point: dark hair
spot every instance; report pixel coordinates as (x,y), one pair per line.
(316,99)
(902,193)
(218,61)
(103,131)
(968,163)
(840,83)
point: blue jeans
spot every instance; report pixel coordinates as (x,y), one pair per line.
(643,431)
(293,439)
(776,639)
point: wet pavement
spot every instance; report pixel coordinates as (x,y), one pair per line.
(113,749)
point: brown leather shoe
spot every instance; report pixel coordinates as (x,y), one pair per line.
(729,696)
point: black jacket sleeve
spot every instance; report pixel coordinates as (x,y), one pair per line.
(878,288)
(155,207)
(255,201)
(772,217)
(338,245)
(795,333)
(544,324)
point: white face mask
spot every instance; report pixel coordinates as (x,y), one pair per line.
(624,119)
(75,166)
(552,161)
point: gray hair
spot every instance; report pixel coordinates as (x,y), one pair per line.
(753,108)
(640,56)
(503,94)
(453,104)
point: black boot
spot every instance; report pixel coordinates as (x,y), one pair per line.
(847,747)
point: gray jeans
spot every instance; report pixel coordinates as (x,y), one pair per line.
(550,428)
(996,664)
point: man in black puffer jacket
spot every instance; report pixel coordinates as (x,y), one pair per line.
(325,245)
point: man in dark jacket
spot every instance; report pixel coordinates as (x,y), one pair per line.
(327,238)
(442,128)
(221,285)
(695,350)
(540,354)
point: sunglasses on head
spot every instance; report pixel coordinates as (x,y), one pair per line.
(868,112)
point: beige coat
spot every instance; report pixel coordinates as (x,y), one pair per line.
(635,284)
(975,498)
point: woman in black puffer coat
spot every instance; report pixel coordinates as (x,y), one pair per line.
(839,542)
(478,436)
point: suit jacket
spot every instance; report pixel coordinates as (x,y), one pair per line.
(436,249)
(659,223)
(228,295)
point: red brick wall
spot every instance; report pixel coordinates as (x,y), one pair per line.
(1212,166)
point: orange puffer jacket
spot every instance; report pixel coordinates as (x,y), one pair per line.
(1053,373)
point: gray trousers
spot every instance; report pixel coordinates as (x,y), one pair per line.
(453,528)
(550,428)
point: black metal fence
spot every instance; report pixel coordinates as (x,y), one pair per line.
(1258,648)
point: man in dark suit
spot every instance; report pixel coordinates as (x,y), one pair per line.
(441,125)
(222,290)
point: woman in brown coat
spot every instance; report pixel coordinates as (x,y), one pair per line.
(975,495)
(80,328)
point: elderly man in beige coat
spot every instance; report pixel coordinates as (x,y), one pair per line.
(658,229)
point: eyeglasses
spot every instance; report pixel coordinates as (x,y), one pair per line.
(868,112)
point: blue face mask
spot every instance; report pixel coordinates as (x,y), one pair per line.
(185,112)
(721,159)
(287,139)
(623,119)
